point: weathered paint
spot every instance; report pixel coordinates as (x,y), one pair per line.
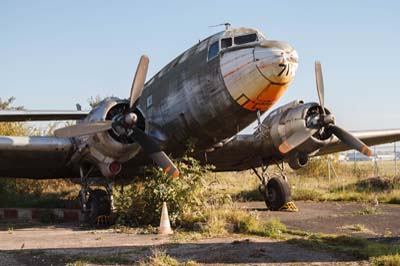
(194,98)
(256,77)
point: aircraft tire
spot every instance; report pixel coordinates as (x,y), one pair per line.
(98,204)
(276,193)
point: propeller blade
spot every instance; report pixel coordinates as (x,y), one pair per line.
(296,140)
(320,85)
(83,129)
(154,151)
(350,140)
(138,81)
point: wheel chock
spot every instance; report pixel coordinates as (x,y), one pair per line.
(289,207)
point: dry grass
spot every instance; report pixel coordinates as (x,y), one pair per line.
(161,258)
(315,185)
(389,260)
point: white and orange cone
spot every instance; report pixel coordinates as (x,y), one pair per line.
(165,225)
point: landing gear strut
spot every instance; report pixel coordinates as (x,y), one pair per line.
(274,188)
(96,204)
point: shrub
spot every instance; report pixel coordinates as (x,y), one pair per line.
(187,196)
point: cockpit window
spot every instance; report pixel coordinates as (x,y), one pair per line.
(246,38)
(225,43)
(213,50)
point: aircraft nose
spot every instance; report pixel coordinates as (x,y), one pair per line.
(277,61)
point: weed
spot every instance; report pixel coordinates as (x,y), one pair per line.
(161,258)
(355,227)
(366,211)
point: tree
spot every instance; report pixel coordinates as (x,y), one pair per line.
(11,128)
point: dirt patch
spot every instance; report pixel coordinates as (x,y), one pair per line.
(63,244)
(337,217)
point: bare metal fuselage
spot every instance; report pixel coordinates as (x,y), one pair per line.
(196,99)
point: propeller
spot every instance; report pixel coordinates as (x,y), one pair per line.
(125,124)
(322,120)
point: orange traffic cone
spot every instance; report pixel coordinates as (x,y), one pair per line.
(165,225)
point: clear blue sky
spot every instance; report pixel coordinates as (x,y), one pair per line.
(54,54)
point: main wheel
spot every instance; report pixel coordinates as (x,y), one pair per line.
(276,193)
(98,204)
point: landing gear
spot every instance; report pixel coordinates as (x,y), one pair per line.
(96,204)
(276,193)
(274,189)
(99,206)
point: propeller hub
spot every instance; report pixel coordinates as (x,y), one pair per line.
(328,119)
(130,119)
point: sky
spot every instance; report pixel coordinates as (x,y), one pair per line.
(54,54)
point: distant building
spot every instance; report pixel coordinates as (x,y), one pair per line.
(359,157)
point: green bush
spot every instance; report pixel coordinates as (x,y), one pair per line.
(186,196)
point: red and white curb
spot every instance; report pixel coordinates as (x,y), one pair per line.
(66,215)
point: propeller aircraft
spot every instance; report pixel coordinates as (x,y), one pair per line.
(207,94)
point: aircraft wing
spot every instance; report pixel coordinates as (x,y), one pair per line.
(370,137)
(41,115)
(35,157)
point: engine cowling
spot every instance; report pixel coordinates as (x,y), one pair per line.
(283,122)
(108,148)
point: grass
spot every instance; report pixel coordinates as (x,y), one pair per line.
(355,227)
(161,258)
(360,228)
(26,193)
(221,221)
(366,211)
(354,246)
(389,260)
(306,194)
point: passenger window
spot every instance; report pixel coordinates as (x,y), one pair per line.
(246,38)
(213,50)
(225,43)
(149,101)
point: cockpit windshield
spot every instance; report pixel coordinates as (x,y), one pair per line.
(240,36)
(245,38)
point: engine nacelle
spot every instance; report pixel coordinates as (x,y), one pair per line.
(282,123)
(107,147)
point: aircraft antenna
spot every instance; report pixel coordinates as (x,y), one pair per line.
(226,24)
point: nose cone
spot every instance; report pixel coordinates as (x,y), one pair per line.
(257,76)
(276,61)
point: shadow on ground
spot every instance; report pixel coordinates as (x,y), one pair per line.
(214,251)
